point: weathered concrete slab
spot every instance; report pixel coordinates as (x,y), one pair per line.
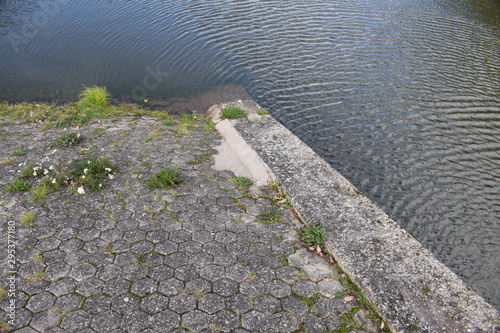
(412,290)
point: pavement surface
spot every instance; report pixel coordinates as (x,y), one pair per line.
(130,258)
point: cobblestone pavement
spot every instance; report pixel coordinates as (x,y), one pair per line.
(130,258)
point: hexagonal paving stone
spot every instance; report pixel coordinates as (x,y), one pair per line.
(195,320)
(239,303)
(212,272)
(144,286)
(268,304)
(40,302)
(89,287)
(82,271)
(170,287)
(211,303)
(285,322)
(105,321)
(135,321)
(182,303)
(165,321)
(305,288)
(225,287)
(226,321)
(176,259)
(116,287)
(279,288)
(97,304)
(255,321)
(154,303)
(76,321)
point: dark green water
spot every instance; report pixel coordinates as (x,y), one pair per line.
(402,97)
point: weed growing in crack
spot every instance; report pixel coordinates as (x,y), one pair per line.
(241,182)
(27,219)
(19,185)
(165,179)
(314,236)
(232,112)
(269,217)
(69,139)
(91,173)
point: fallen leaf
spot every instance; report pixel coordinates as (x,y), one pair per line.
(318,249)
(332,261)
(382,325)
(349,298)
(312,248)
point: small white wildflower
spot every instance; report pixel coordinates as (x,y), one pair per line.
(88,162)
(111,176)
(34,174)
(54,181)
(36,168)
(85,170)
(107,169)
(83,177)
(51,167)
(45,172)
(78,135)
(81,190)
(100,185)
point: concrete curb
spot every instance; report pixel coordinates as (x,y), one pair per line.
(411,289)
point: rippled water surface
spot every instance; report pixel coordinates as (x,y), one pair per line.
(402,97)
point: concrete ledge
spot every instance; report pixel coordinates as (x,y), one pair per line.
(411,289)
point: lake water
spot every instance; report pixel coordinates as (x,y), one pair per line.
(402,97)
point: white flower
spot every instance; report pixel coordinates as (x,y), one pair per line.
(111,176)
(45,172)
(107,169)
(88,161)
(78,135)
(85,170)
(83,177)
(54,181)
(81,190)
(36,168)
(34,174)
(51,167)
(100,185)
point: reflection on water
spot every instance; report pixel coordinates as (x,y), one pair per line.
(402,97)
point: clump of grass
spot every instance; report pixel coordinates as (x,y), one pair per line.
(19,185)
(37,276)
(39,193)
(314,236)
(263,112)
(166,178)
(27,219)
(167,122)
(269,217)
(69,139)
(209,127)
(92,172)
(93,96)
(19,152)
(232,112)
(241,182)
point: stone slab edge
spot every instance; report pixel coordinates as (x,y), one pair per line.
(411,289)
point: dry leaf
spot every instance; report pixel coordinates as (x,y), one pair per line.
(312,248)
(318,249)
(349,298)
(382,325)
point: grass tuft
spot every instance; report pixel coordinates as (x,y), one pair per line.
(69,139)
(93,96)
(269,217)
(241,182)
(232,112)
(19,186)
(27,219)
(165,179)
